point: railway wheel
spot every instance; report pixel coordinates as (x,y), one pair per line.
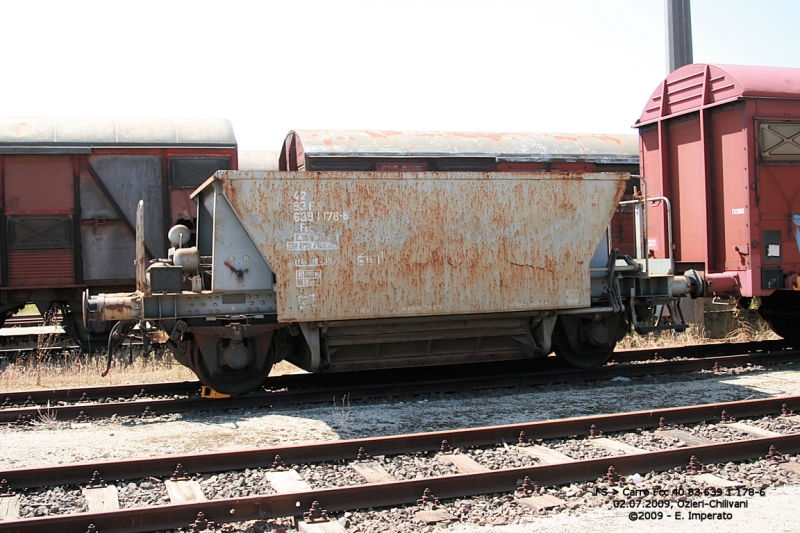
(230,365)
(782,310)
(585,342)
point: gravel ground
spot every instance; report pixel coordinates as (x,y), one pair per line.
(578,449)
(717,432)
(646,440)
(250,482)
(142,493)
(51,442)
(496,458)
(325,476)
(51,501)
(776,424)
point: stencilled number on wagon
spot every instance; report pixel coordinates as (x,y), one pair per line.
(303,207)
(306,210)
(320,216)
(303,216)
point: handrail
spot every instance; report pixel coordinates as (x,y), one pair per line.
(655,201)
(642,250)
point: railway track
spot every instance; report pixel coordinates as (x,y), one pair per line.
(697,466)
(149,400)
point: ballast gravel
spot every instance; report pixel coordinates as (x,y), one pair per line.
(776,424)
(715,432)
(501,457)
(51,501)
(142,493)
(652,441)
(325,476)
(249,482)
(50,442)
(578,449)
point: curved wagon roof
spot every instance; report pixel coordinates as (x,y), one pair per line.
(697,86)
(74,135)
(416,144)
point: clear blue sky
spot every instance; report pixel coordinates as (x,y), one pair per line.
(535,65)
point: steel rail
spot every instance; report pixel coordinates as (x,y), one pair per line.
(391,445)
(379,389)
(399,492)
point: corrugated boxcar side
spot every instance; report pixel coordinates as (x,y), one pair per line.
(350,245)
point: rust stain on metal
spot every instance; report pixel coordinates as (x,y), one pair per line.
(348,245)
(115,312)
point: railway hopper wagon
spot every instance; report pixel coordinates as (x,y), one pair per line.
(68,195)
(722,142)
(345,270)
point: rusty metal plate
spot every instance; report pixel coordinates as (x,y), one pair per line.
(348,245)
(51,177)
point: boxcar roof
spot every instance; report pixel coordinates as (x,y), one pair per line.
(696,86)
(26,135)
(502,146)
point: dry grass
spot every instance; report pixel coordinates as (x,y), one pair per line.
(41,370)
(724,323)
(665,339)
(74,370)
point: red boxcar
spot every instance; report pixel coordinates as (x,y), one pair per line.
(68,195)
(723,144)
